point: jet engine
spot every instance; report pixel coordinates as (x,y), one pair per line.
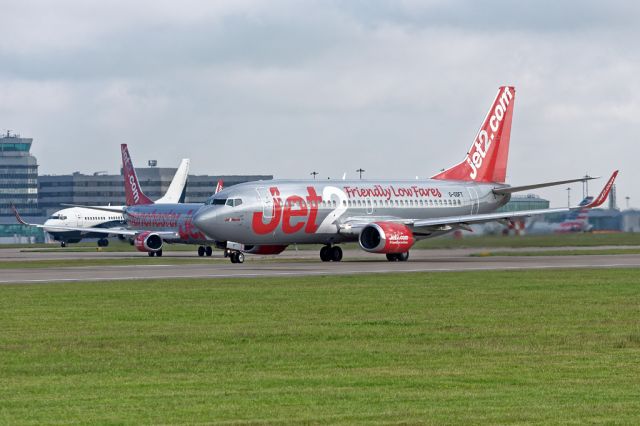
(264,249)
(148,242)
(386,237)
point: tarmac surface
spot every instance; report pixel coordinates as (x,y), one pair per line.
(291,263)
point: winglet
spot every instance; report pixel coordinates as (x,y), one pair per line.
(17,215)
(604,194)
(219,186)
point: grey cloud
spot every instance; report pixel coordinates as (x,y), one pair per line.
(398,88)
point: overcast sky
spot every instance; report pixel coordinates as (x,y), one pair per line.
(398,88)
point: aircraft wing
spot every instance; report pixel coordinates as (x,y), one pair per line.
(512,189)
(107,231)
(354,223)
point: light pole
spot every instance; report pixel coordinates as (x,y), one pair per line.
(627,198)
(360,170)
(314,174)
(585,186)
(569,197)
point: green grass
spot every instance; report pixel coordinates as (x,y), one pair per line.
(493,347)
(578,252)
(554,240)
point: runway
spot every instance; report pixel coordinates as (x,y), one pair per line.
(302,263)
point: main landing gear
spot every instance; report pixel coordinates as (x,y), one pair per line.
(155,253)
(202,250)
(63,244)
(103,242)
(398,257)
(235,256)
(331,254)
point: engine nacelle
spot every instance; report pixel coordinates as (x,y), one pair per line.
(148,242)
(264,249)
(386,237)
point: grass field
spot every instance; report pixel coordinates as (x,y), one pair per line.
(493,347)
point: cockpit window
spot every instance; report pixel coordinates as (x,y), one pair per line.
(234,202)
(216,201)
(58,216)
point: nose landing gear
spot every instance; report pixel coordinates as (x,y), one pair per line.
(235,256)
(331,254)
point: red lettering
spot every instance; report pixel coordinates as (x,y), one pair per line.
(313,199)
(294,207)
(257,220)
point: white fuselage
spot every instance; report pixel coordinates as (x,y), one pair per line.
(78,217)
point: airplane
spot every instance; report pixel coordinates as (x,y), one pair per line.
(149,224)
(88,217)
(385,217)
(575,221)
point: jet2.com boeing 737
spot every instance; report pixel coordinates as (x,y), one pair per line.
(382,216)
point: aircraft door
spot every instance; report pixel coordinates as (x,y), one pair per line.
(79,220)
(473,199)
(369,206)
(266,200)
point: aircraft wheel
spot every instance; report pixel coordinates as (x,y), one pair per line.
(151,254)
(336,254)
(63,244)
(103,242)
(159,253)
(239,257)
(201,251)
(208,250)
(324,253)
(392,257)
(403,257)
(233,257)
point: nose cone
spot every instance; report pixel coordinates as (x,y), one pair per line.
(205,220)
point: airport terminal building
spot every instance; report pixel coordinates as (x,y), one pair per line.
(100,189)
(19,187)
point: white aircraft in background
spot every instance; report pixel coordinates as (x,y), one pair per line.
(86,217)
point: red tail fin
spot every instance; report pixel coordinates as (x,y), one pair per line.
(132,189)
(219,186)
(486,160)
